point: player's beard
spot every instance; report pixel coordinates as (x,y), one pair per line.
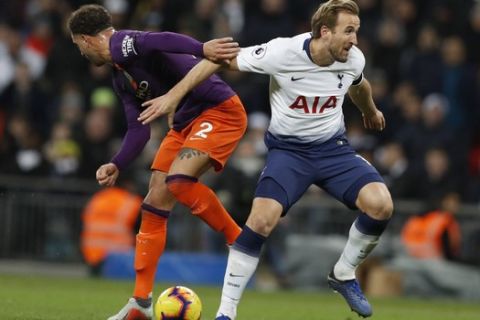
(337,54)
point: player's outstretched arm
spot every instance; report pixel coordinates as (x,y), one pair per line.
(361,96)
(168,103)
(215,50)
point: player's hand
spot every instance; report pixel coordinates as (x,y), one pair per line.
(107,174)
(157,107)
(218,50)
(375,121)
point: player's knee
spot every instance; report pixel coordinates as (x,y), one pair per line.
(375,200)
(380,207)
(179,184)
(263,223)
(157,187)
(262,226)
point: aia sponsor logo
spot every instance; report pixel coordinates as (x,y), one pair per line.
(316,106)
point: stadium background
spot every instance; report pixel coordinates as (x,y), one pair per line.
(59,119)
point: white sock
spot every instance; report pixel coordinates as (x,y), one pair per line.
(358,247)
(240,269)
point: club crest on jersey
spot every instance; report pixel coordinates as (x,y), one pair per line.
(340,78)
(259,51)
(128,46)
(302,105)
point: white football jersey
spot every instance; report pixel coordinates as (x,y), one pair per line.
(306,99)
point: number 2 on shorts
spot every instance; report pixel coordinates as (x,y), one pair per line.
(206,127)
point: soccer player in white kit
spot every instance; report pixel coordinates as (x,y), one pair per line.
(309,77)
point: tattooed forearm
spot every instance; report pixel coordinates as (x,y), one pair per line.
(187,153)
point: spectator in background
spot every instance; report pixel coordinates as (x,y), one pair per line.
(437,176)
(267,19)
(96,141)
(70,106)
(62,151)
(25,97)
(65,65)
(405,12)
(394,168)
(421,65)
(472,33)
(436,233)
(426,126)
(405,114)
(109,221)
(23,149)
(37,46)
(387,50)
(7,64)
(458,83)
(148,15)
(199,22)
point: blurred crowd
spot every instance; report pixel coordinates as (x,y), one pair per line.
(59,116)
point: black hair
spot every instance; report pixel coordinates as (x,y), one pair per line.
(89,19)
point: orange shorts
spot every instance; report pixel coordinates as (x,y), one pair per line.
(216,132)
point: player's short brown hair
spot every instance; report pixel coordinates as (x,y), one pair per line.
(327,14)
(89,19)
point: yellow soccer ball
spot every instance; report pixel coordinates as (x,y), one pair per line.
(178,303)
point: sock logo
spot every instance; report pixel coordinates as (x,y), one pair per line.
(231,284)
(236,275)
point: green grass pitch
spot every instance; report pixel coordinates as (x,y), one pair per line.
(43,298)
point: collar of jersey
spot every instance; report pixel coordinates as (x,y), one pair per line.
(306,47)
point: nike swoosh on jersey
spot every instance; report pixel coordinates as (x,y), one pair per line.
(296,79)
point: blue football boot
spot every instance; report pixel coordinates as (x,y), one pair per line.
(350,290)
(223,317)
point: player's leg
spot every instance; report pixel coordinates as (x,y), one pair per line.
(283,181)
(209,141)
(359,186)
(376,205)
(183,183)
(152,235)
(150,244)
(244,254)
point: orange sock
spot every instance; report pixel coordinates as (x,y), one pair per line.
(149,247)
(204,203)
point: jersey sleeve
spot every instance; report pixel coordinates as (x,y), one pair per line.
(129,46)
(137,134)
(357,80)
(358,64)
(265,58)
